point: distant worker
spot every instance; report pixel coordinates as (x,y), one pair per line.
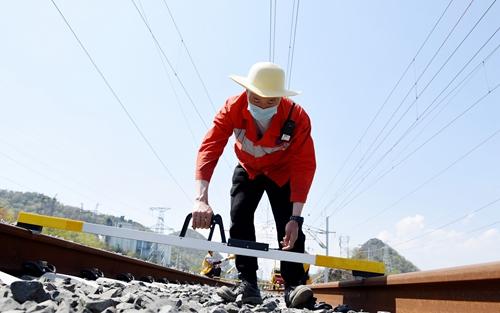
(276,155)
(211,266)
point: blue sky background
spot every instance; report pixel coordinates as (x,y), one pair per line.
(63,133)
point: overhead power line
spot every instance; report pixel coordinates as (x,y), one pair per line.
(291,43)
(14,160)
(432,242)
(62,173)
(167,74)
(418,120)
(190,57)
(442,226)
(158,46)
(433,177)
(479,100)
(170,65)
(423,114)
(122,105)
(272,30)
(369,153)
(454,221)
(344,163)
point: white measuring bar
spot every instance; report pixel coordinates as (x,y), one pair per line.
(199,244)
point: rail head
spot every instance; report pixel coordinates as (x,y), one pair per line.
(478,272)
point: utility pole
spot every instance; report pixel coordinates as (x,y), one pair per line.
(327,248)
(326,234)
(313,231)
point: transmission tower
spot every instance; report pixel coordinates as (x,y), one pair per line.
(160,254)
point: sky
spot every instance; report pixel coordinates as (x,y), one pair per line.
(405,124)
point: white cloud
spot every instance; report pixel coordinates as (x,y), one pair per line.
(384,235)
(490,233)
(409,225)
(441,248)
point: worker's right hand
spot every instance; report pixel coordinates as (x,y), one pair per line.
(202,215)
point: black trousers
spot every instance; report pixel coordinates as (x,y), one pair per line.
(245,196)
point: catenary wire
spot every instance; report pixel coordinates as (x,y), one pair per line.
(171,66)
(419,120)
(158,46)
(167,74)
(122,105)
(12,159)
(274,30)
(432,178)
(54,169)
(290,38)
(454,221)
(419,147)
(442,226)
(432,242)
(346,160)
(291,45)
(270,29)
(190,57)
(369,152)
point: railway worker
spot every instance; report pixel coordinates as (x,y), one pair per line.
(211,265)
(276,155)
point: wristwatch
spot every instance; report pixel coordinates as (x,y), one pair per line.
(298,219)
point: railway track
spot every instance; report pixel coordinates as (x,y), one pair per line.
(19,245)
(468,289)
(474,288)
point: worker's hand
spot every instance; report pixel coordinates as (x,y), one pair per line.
(202,215)
(291,235)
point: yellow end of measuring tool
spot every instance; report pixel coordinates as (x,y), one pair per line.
(49,221)
(350,264)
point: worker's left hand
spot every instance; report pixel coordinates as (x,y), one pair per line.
(291,234)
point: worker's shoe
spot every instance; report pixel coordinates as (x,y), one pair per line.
(249,292)
(299,297)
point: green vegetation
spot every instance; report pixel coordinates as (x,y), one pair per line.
(377,250)
(38,203)
(189,259)
(11,202)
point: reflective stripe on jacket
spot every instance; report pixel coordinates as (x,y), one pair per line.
(292,161)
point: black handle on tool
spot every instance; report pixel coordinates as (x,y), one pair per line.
(216,220)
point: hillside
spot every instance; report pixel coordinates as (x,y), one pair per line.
(189,259)
(14,201)
(377,250)
(11,202)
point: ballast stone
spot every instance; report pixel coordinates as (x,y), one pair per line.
(28,290)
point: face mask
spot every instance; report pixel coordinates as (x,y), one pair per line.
(261,114)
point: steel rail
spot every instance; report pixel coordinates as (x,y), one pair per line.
(18,245)
(472,288)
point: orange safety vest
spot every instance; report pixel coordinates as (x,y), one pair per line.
(281,161)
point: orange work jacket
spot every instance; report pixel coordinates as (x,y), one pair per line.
(292,161)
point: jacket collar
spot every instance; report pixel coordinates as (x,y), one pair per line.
(276,122)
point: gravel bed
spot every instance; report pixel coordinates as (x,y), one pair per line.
(59,293)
